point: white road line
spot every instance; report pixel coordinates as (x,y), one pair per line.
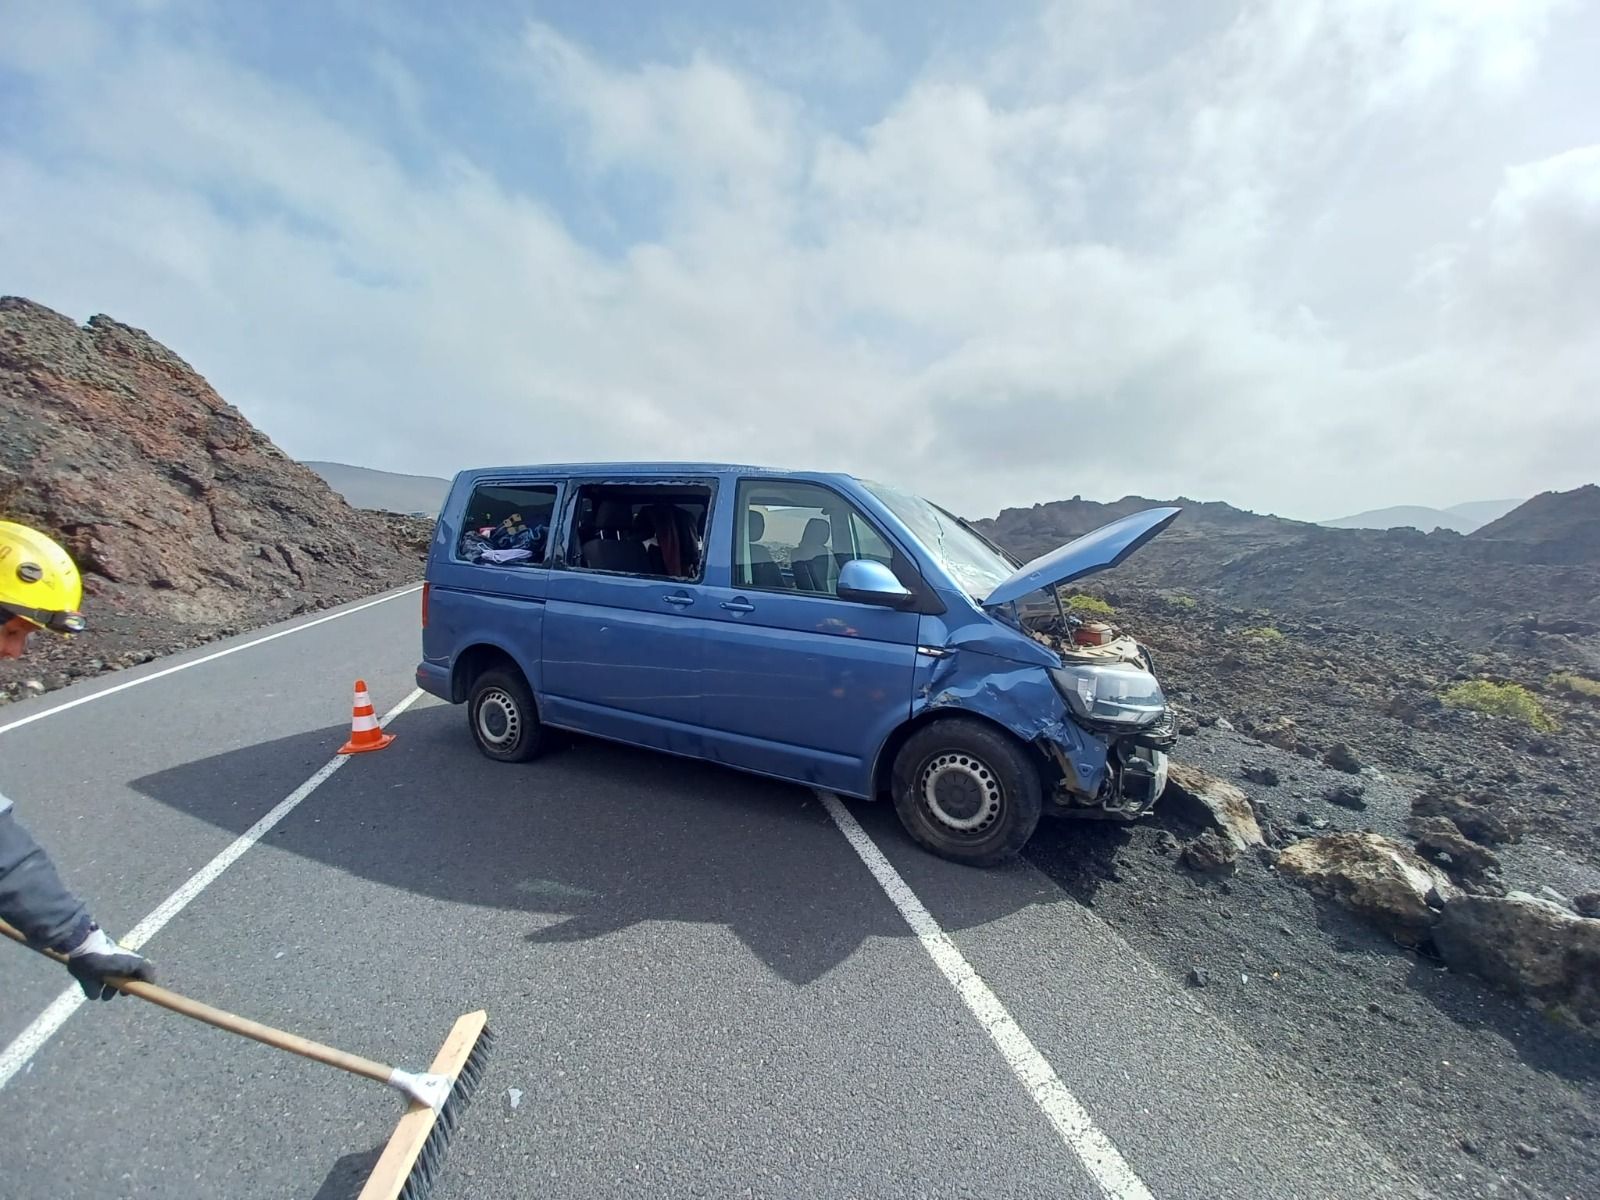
(195,662)
(28,1043)
(1071,1120)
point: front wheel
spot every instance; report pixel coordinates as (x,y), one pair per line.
(503,717)
(967,792)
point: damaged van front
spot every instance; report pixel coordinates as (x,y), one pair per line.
(1083,695)
(1113,757)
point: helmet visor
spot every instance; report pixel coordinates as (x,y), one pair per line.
(56,622)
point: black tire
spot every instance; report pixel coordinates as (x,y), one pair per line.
(967,791)
(503,716)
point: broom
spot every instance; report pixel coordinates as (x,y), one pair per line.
(411,1160)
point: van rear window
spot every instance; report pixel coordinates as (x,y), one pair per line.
(507,525)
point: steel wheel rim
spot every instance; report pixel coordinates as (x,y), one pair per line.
(499,723)
(954,782)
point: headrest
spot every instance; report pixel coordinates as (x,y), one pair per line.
(758,525)
(818,531)
(613,516)
(655,517)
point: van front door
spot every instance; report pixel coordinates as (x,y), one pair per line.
(624,614)
(797,682)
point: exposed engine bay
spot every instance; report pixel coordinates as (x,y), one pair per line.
(1108,680)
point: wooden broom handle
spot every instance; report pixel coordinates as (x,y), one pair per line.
(232,1023)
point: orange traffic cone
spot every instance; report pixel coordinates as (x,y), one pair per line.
(364,731)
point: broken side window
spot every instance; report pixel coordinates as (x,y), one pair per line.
(656,530)
(508,524)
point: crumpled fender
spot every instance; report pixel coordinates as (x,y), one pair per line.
(989,638)
(1020,697)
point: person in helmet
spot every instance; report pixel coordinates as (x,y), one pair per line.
(40,589)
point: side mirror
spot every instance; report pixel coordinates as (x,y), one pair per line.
(865,581)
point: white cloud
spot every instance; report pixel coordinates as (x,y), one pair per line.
(701,123)
(1232,267)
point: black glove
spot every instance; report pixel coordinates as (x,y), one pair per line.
(97,956)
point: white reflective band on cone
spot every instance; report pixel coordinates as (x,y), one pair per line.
(363,724)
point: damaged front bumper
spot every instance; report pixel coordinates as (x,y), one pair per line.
(1094,768)
(1108,774)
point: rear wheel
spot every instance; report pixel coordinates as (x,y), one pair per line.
(967,791)
(503,716)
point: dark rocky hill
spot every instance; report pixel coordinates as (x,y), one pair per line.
(1560,527)
(185,519)
(1030,531)
(1532,592)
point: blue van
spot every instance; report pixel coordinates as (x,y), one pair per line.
(807,626)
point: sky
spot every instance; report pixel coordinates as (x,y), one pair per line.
(1305,257)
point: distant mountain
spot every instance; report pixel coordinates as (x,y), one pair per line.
(1404,516)
(366,488)
(1481,512)
(1562,527)
(1462,518)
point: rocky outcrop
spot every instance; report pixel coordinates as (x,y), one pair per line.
(1341,758)
(172,503)
(1479,816)
(1441,841)
(1528,946)
(1205,799)
(187,522)
(1212,853)
(1373,876)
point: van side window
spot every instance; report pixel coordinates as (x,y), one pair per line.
(651,530)
(507,524)
(796,536)
(869,542)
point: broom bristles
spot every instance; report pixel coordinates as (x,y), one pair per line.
(414,1156)
(430,1160)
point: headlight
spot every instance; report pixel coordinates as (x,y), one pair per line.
(1112,693)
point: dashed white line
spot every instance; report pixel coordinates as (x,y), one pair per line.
(20,1052)
(205,658)
(1105,1164)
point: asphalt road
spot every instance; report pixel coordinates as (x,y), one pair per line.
(697,985)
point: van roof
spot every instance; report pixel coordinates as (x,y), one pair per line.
(648,468)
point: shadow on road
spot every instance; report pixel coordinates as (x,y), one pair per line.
(602,835)
(349,1175)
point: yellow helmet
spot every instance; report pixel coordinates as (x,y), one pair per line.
(39,582)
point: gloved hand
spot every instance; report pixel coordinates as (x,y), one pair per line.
(97,956)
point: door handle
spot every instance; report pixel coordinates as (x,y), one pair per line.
(738,604)
(681,599)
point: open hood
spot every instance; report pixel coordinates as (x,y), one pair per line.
(1094,551)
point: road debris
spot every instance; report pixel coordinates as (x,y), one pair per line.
(1528,946)
(1374,876)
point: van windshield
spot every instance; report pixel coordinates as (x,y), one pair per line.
(969,560)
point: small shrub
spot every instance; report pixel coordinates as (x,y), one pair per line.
(1179,600)
(1090,605)
(1575,685)
(1510,700)
(1265,633)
